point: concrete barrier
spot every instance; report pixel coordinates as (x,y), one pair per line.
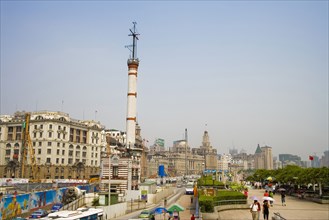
(114,211)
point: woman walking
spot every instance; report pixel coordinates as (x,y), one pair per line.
(283,198)
(266,210)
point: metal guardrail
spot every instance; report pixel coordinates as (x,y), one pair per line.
(135,204)
(75,204)
(277,216)
(230,202)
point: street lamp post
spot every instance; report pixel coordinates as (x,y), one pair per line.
(203,168)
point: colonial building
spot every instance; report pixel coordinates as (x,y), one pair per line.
(63,147)
(206,151)
(263,158)
(182,161)
(124,162)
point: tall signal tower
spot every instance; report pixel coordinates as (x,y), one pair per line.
(133,64)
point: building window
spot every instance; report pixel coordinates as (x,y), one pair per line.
(48,160)
(70,153)
(63,152)
(18,136)
(57,151)
(115,171)
(70,160)
(57,160)
(40,143)
(63,144)
(58,144)
(16,151)
(40,134)
(49,144)
(41,126)
(50,134)
(34,144)
(56,171)
(84,154)
(58,135)
(35,127)
(59,127)
(50,126)
(39,151)
(63,136)
(35,135)
(62,160)
(8,152)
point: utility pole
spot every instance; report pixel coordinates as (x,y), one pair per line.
(186,144)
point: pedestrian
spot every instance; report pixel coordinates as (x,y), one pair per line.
(245,192)
(266,193)
(192,217)
(266,210)
(283,198)
(271,195)
(255,209)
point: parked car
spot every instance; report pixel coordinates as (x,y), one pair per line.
(146,214)
(39,213)
(56,207)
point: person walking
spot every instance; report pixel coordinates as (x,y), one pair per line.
(255,209)
(283,198)
(271,195)
(266,210)
(192,217)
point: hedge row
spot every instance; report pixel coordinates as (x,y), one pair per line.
(207,202)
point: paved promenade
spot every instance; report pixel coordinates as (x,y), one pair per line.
(296,209)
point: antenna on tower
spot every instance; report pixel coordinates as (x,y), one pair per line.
(133,47)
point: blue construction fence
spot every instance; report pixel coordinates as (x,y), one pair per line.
(13,205)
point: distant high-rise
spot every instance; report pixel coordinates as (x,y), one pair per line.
(263,158)
(287,159)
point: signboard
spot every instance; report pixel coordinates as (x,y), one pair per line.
(144,195)
(162,171)
(210,192)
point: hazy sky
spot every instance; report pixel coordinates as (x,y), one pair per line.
(249,72)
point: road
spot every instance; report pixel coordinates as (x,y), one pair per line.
(178,192)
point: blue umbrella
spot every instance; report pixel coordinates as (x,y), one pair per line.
(160,210)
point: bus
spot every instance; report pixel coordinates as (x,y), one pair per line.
(189,189)
(79,214)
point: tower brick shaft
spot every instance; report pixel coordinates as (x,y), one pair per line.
(131,102)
